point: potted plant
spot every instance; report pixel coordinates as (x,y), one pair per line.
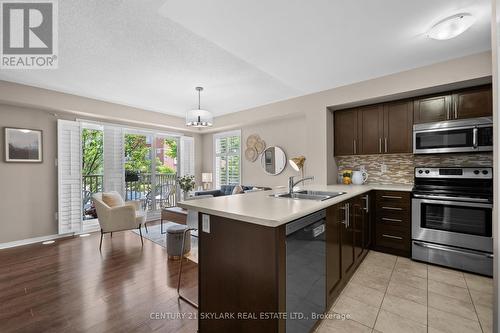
(186,184)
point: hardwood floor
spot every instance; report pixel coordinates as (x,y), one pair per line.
(70,286)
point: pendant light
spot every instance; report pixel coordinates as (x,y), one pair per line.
(199,118)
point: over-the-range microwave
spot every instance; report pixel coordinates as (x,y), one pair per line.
(454,136)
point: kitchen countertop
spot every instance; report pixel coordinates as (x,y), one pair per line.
(260,208)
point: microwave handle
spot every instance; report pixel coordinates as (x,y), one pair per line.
(475,137)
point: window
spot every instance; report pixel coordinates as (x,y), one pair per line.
(227,152)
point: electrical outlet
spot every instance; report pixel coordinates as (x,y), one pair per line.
(383,168)
(362,168)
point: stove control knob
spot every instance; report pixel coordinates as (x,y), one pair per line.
(420,171)
(427,171)
(485,172)
(476,172)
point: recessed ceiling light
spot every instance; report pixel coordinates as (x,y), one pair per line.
(451,27)
(48,242)
(84,235)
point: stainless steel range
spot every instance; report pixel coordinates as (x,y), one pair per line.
(452,218)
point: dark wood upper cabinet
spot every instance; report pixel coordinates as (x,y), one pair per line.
(346,128)
(387,128)
(432,108)
(471,103)
(398,126)
(370,129)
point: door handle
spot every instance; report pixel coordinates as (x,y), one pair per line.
(345,208)
(474,137)
(448,249)
(379,145)
(367,205)
(385,145)
(354,146)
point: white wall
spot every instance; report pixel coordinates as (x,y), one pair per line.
(28,192)
(286,133)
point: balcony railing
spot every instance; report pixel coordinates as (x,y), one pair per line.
(162,194)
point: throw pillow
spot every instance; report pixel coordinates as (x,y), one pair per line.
(112,199)
(238,189)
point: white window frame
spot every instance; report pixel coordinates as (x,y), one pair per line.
(215,155)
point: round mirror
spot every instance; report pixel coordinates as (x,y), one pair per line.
(273,160)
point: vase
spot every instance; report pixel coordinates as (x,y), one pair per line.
(185,195)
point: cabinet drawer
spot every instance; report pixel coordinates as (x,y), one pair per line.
(393,199)
(396,220)
(392,238)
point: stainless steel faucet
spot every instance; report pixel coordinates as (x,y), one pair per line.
(292,184)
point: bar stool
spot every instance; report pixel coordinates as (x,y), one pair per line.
(186,232)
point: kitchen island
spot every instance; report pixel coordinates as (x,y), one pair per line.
(246,278)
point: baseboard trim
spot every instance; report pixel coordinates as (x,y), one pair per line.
(34,240)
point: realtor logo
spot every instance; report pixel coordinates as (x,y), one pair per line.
(29,34)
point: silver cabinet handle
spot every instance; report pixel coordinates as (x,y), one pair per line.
(355,146)
(345,208)
(391,197)
(391,220)
(449,249)
(348,214)
(455,108)
(379,145)
(392,208)
(385,145)
(367,200)
(474,137)
(393,237)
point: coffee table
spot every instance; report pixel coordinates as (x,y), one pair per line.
(173,214)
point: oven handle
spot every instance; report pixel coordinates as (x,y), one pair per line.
(442,197)
(448,249)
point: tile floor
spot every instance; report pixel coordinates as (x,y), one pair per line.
(395,294)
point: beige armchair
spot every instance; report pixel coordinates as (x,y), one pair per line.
(114,214)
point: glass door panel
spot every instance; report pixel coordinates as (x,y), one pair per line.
(138,167)
(92,169)
(166,172)
(444,139)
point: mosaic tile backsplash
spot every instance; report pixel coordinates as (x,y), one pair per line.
(400,166)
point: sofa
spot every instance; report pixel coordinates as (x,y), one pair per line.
(228,190)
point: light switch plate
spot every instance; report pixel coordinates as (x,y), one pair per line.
(205,223)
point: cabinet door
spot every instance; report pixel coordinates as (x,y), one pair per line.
(333,258)
(346,132)
(370,129)
(347,238)
(433,108)
(398,127)
(356,225)
(475,102)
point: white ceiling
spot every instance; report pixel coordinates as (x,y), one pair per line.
(151,54)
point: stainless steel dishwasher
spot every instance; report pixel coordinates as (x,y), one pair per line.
(305,271)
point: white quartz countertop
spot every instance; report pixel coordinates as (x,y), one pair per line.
(260,208)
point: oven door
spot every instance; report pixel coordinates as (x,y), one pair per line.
(444,140)
(456,223)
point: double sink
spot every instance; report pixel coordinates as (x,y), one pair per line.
(308,195)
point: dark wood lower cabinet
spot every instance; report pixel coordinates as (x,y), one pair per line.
(241,270)
(392,222)
(348,238)
(242,266)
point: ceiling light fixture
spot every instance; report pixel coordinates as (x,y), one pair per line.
(199,118)
(451,27)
